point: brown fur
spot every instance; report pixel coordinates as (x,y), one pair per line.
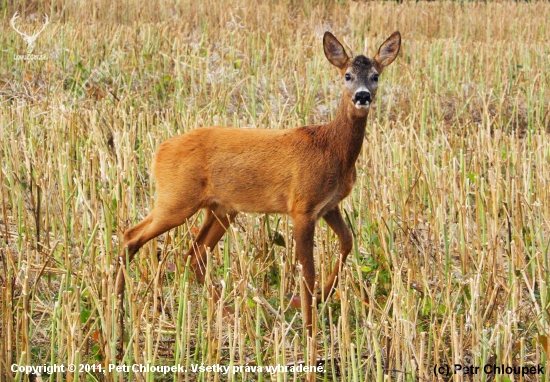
(304,172)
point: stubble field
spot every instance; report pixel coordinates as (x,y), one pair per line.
(450,212)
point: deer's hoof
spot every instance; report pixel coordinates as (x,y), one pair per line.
(228,311)
(296,301)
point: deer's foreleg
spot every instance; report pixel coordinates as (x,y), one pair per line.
(304,229)
(336,222)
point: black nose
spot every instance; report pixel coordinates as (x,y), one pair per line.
(362,97)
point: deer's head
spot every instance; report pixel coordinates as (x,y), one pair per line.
(29,39)
(360,73)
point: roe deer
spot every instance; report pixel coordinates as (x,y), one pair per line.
(304,172)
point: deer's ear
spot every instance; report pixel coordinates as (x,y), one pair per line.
(335,52)
(388,50)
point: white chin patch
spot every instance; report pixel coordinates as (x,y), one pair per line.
(359,106)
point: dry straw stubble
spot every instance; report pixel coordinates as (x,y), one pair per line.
(450,211)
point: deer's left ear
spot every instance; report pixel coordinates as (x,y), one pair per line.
(388,50)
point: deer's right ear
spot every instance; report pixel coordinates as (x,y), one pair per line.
(335,52)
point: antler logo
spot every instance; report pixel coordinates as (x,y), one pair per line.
(30,40)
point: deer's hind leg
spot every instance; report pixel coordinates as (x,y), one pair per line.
(164,217)
(216,223)
(159,221)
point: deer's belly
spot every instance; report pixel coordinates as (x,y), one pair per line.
(333,198)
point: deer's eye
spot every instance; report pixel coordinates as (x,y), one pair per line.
(375,78)
(348,76)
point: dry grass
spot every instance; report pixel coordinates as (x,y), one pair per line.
(451,211)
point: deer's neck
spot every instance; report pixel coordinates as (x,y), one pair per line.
(346,132)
